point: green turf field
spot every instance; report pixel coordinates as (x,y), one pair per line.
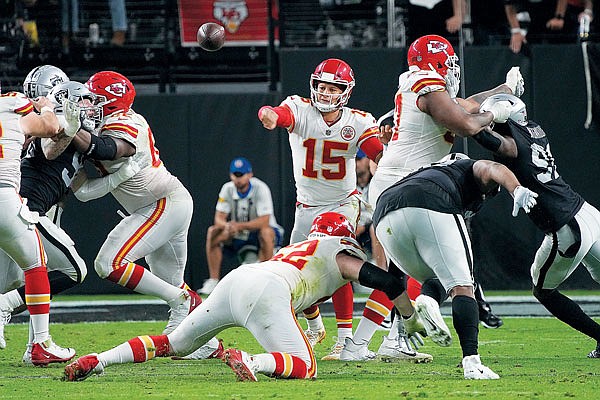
(537,358)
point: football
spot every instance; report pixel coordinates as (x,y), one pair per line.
(211,36)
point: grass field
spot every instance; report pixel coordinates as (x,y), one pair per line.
(537,358)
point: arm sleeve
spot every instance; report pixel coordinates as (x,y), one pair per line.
(285,115)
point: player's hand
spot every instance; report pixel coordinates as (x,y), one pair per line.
(501,111)
(414,325)
(417,340)
(385,134)
(268,117)
(523,198)
(514,80)
(72,113)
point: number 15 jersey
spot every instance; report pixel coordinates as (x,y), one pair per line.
(324,155)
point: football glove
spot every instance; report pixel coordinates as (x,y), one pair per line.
(514,80)
(414,330)
(523,198)
(500,110)
(71,112)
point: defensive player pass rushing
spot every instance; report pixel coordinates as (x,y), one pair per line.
(262,298)
(19,237)
(159,206)
(571,225)
(427,116)
(420,224)
(46,173)
(324,137)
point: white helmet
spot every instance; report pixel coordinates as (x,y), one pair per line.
(40,80)
(76,92)
(518,112)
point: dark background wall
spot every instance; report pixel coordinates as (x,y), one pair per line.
(198,135)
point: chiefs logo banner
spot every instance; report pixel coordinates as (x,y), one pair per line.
(246,22)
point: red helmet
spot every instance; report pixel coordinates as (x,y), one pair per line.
(336,72)
(433,52)
(115,92)
(332,224)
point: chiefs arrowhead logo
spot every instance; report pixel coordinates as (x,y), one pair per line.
(116,89)
(435,46)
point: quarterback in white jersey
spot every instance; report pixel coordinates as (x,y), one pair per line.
(159,206)
(263,298)
(324,138)
(19,237)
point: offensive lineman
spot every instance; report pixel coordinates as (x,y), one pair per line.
(427,117)
(159,206)
(262,297)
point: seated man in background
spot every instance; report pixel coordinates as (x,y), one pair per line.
(244,221)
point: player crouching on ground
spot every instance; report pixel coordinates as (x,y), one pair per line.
(258,297)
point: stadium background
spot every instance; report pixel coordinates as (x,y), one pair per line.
(202,109)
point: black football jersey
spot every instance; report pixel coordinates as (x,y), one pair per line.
(536,169)
(447,188)
(44,182)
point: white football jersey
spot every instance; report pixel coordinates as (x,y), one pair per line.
(256,203)
(324,156)
(417,140)
(154,181)
(310,269)
(13,105)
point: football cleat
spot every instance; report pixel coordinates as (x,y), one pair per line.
(212,349)
(208,287)
(394,350)
(27,355)
(488,319)
(241,363)
(82,368)
(429,313)
(178,314)
(353,351)
(594,353)
(47,352)
(315,337)
(474,369)
(335,352)
(5,314)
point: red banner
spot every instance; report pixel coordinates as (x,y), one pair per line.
(246,22)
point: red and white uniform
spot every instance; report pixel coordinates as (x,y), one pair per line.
(323,156)
(18,236)
(264,298)
(417,140)
(160,208)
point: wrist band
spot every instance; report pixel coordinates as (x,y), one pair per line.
(518,30)
(559,16)
(46,108)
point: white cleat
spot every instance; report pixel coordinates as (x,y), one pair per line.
(212,349)
(429,313)
(395,350)
(178,314)
(356,351)
(5,314)
(335,352)
(474,369)
(208,286)
(315,337)
(27,355)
